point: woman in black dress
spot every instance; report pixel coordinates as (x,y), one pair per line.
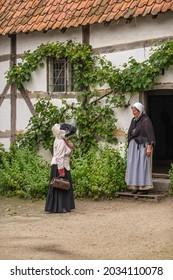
(57,200)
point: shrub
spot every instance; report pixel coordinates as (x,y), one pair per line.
(99,173)
(171,178)
(23,173)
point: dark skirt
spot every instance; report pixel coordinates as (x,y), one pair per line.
(57,199)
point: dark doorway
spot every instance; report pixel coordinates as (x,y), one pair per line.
(160,111)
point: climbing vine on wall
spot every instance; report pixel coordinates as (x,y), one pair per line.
(94,118)
(93,69)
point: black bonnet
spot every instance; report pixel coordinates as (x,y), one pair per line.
(69,129)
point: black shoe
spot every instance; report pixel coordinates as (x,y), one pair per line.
(63,210)
(142,192)
(135,192)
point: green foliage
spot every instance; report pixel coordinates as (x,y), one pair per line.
(139,76)
(39,126)
(23,173)
(100,173)
(171,178)
(79,54)
(93,113)
(96,172)
(92,70)
(2,151)
(94,122)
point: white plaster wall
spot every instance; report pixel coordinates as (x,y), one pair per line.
(167,77)
(5,111)
(119,58)
(24,114)
(38,81)
(6,143)
(141,28)
(32,40)
(4,66)
(4,45)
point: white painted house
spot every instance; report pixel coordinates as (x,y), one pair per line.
(116,29)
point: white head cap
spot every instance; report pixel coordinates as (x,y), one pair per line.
(139,106)
(57,132)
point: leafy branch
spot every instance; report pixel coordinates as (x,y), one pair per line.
(93,113)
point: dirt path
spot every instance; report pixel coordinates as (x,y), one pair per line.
(111,230)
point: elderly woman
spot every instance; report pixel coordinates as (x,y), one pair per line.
(57,200)
(139,157)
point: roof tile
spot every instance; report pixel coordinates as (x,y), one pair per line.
(139,11)
(142,3)
(146,11)
(156,9)
(102,18)
(166,6)
(31,15)
(134,4)
(118,6)
(159,1)
(129,13)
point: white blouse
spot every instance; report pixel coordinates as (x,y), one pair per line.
(61,154)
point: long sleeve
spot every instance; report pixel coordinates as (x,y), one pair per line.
(59,150)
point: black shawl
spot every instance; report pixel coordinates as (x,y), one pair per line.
(142,131)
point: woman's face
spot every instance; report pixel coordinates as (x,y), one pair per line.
(135,112)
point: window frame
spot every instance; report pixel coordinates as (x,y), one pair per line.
(67,76)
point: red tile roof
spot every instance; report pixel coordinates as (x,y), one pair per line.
(41,15)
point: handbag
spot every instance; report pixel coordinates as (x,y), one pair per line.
(60,183)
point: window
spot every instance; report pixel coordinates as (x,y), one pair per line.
(61,76)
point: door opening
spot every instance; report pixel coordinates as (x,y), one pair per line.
(160,111)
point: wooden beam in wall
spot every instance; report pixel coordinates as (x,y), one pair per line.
(27,100)
(131,46)
(86,34)
(13,113)
(4,93)
(13,90)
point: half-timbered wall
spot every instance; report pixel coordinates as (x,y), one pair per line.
(117,41)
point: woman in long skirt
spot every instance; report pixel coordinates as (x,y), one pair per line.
(57,200)
(139,157)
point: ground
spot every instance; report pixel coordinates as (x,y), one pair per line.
(120,229)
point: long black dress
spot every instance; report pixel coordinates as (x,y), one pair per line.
(58,199)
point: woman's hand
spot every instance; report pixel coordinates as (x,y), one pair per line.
(149,150)
(69,144)
(61,172)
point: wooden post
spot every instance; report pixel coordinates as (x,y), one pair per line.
(13,90)
(85,40)
(86,34)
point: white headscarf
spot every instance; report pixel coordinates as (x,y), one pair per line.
(139,106)
(57,132)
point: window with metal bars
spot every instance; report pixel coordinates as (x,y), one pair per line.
(61,76)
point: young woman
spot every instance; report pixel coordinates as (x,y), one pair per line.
(57,200)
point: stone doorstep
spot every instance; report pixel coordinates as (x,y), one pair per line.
(160,175)
(161,189)
(161,184)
